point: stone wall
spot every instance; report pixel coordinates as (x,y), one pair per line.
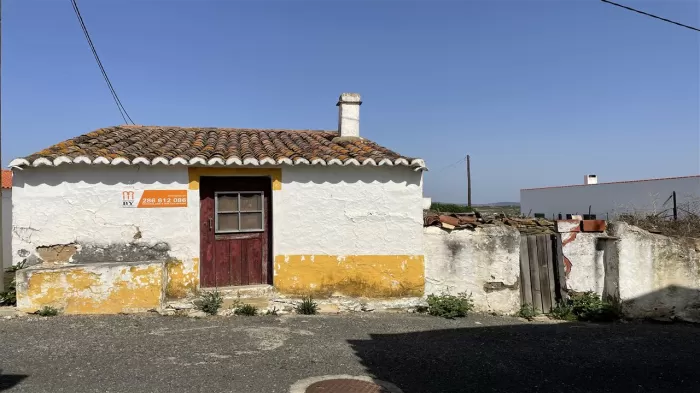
(654,276)
(658,276)
(484,262)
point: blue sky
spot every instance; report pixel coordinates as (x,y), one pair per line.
(537,92)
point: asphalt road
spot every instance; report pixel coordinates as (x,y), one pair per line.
(417,353)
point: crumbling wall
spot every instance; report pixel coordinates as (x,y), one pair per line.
(102,288)
(659,276)
(484,262)
(74,214)
(584,257)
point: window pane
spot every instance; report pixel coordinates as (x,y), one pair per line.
(228,222)
(251,202)
(250,221)
(228,203)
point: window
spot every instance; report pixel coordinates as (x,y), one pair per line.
(239,212)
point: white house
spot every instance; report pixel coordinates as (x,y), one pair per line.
(123,217)
(606,200)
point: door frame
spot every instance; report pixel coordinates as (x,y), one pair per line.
(268,213)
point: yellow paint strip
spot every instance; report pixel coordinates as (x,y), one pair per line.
(93,290)
(376,276)
(182,280)
(196,172)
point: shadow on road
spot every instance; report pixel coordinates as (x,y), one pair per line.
(8,381)
(538,357)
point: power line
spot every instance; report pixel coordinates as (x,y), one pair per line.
(651,15)
(117,101)
(461,160)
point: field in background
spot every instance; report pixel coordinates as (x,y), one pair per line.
(510,210)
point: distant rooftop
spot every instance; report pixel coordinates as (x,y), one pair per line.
(613,182)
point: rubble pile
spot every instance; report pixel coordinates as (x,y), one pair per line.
(451,221)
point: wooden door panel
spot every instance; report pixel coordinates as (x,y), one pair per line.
(222,269)
(255,258)
(236,269)
(236,258)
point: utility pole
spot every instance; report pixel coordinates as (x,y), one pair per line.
(469,182)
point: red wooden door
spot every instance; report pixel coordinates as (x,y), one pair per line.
(235,226)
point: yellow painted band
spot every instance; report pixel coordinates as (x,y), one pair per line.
(195,173)
(82,290)
(350,275)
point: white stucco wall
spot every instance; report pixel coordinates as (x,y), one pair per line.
(318,210)
(484,263)
(6,232)
(612,198)
(659,276)
(349,211)
(587,264)
(81,204)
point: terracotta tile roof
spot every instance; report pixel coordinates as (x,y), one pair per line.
(151,145)
(6,178)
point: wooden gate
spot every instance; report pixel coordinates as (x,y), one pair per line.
(542,277)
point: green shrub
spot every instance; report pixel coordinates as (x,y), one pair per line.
(47,311)
(307,306)
(210,302)
(246,309)
(450,208)
(527,311)
(9,297)
(563,311)
(272,311)
(586,306)
(450,306)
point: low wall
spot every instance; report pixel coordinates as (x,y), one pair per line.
(583,257)
(654,276)
(99,288)
(658,276)
(484,262)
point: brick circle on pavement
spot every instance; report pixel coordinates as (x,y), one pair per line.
(345,386)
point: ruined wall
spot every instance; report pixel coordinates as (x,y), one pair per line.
(484,262)
(659,276)
(583,257)
(356,231)
(92,289)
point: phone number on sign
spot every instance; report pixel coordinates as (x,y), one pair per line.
(162,201)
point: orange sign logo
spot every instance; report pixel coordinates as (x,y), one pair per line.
(155,198)
(128,199)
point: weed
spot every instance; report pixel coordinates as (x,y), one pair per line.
(307,306)
(527,311)
(246,309)
(272,311)
(9,297)
(47,311)
(210,302)
(450,306)
(421,309)
(587,306)
(563,311)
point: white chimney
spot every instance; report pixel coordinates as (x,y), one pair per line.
(349,115)
(590,179)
